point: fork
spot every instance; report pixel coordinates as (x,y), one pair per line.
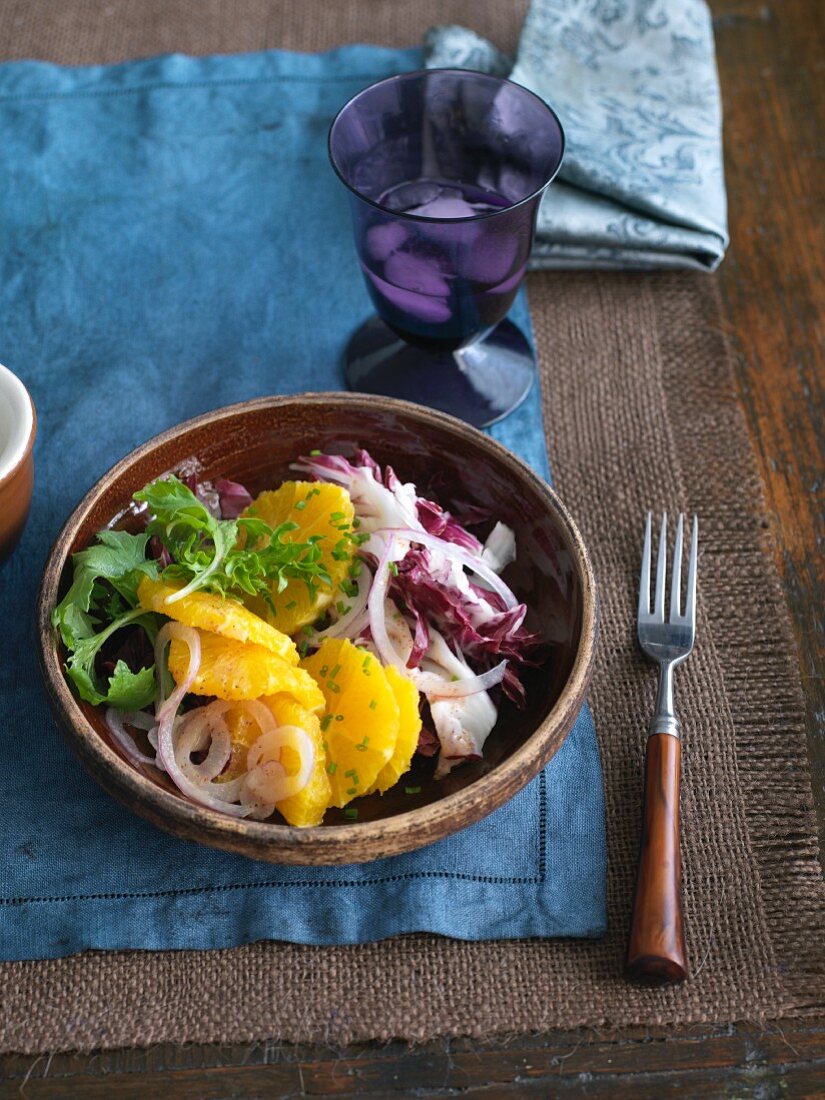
(657,946)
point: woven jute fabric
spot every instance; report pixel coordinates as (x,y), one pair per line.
(640,413)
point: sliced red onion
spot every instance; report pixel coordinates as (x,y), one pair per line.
(352,617)
(264,781)
(376,604)
(253,805)
(435,687)
(140,719)
(427,682)
(203,728)
(116,724)
(166,715)
(192,639)
(458,554)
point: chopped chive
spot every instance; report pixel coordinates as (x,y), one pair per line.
(339,718)
(332,767)
(291,604)
(333,687)
(356,567)
(335,672)
(315,452)
(324,671)
(351,813)
(454,678)
(356,522)
(373,704)
(352,790)
(342,608)
(394,568)
(300,505)
(303,648)
(325,721)
(337,516)
(412,790)
(313,493)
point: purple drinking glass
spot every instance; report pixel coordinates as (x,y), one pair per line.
(445,170)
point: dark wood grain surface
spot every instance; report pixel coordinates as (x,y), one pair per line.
(772,68)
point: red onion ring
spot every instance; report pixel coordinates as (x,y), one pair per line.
(339,628)
(435,688)
(259,758)
(166,716)
(458,554)
(116,724)
(376,608)
(202,727)
(427,682)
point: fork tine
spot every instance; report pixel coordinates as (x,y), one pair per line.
(659,605)
(690,599)
(644,580)
(676,571)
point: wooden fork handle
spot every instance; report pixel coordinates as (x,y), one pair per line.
(657,942)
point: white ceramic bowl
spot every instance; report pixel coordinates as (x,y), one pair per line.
(18,425)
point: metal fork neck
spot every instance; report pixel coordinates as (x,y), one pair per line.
(664,719)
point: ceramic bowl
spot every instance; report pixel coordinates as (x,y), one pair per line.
(17,431)
(254,443)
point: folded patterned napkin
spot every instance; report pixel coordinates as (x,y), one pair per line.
(634,83)
(174,240)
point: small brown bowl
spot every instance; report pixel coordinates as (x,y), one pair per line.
(18,426)
(254,443)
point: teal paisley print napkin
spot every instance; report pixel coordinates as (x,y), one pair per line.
(635,85)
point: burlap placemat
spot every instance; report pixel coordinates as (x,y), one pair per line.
(640,413)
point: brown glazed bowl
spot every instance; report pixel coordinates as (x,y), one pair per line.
(254,443)
(18,426)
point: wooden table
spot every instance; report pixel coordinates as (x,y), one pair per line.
(773,288)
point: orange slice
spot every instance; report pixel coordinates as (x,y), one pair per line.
(308,806)
(361,720)
(207,611)
(409,727)
(318,509)
(231,670)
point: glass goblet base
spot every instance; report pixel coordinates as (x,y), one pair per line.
(481,383)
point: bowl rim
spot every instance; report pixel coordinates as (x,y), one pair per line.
(14,393)
(391,835)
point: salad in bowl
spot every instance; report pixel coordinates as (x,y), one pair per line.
(283,654)
(346,628)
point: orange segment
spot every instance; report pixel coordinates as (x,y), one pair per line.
(409,727)
(232,670)
(361,719)
(309,805)
(318,509)
(206,611)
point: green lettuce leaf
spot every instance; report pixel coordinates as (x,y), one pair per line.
(125,690)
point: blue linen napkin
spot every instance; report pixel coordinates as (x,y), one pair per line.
(636,88)
(173,240)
